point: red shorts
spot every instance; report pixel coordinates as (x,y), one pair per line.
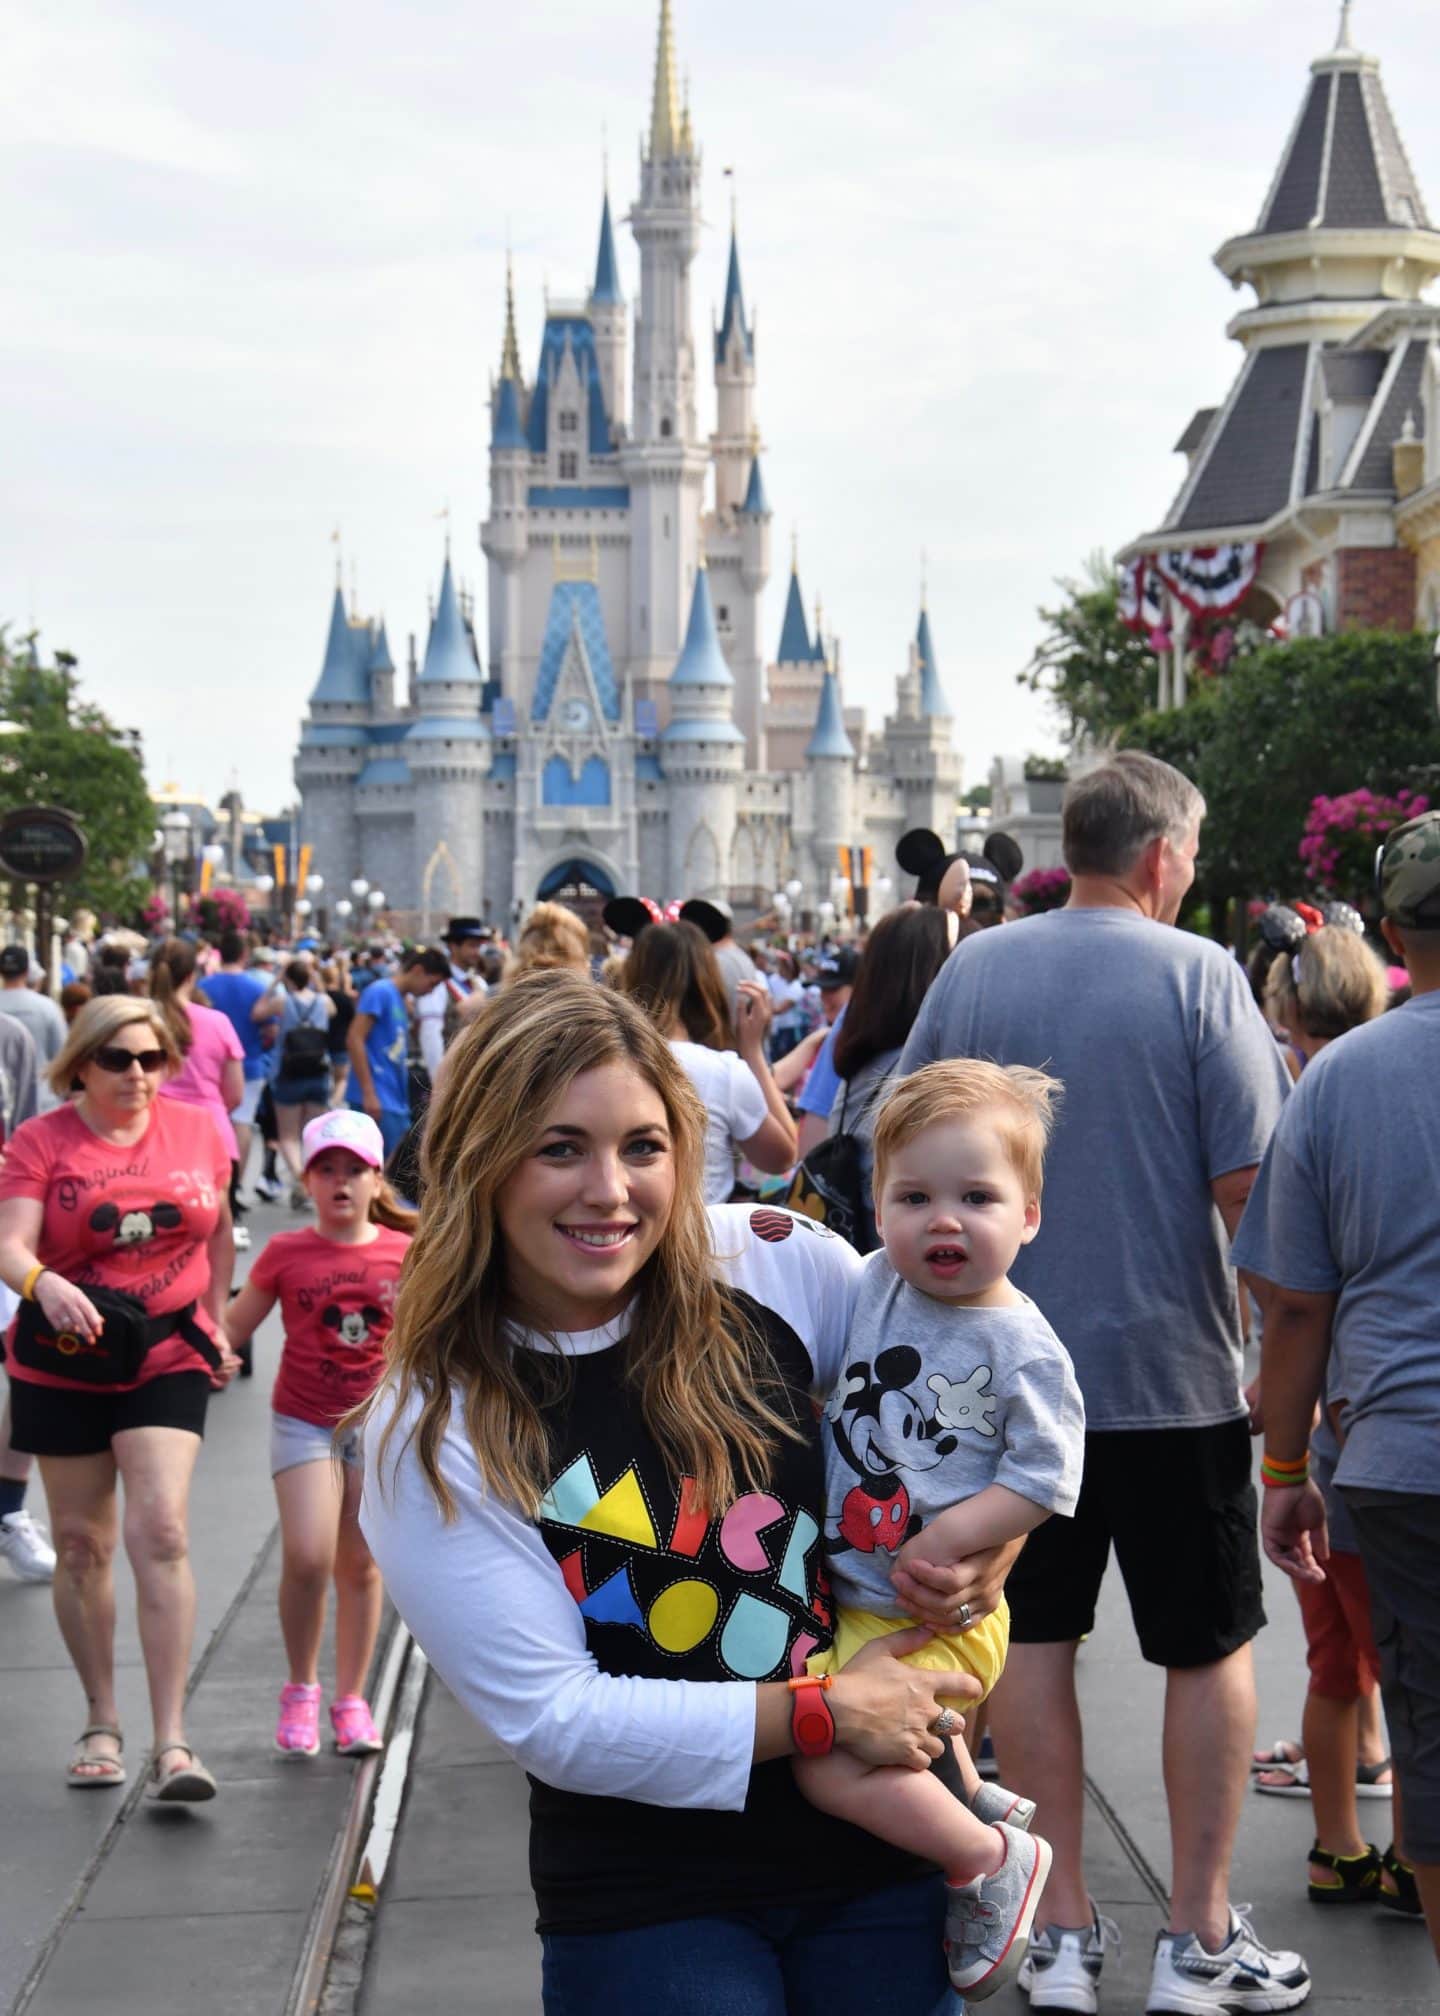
(1339,1638)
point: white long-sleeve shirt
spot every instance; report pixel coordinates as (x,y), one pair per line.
(489,1605)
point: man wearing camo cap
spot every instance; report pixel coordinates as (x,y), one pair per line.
(1344,1226)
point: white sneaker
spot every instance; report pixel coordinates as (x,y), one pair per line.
(987,1922)
(1062,1969)
(1244,1975)
(27,1548)
(241,1234)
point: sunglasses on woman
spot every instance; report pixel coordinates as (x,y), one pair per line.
(113,1057)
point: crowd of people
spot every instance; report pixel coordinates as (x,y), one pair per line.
(590,1224)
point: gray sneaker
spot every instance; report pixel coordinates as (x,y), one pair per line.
(1062,1968)
(999,1808)
(987,1923)
(1244,1975)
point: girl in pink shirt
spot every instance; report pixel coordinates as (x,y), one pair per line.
(212,1075)
(336,1283)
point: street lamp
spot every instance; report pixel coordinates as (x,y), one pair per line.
(376,900)
(360,888)
(795,890)
(179,845)
(344,908)
(302,908)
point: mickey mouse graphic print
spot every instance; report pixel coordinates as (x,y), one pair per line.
(136,1218)
(337,1303)
(933,1403)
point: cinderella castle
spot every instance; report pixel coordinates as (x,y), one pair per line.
(618,727)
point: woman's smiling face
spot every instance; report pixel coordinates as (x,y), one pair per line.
(589,1203)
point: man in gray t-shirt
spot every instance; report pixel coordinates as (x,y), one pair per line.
(1344,1226)
(36,1013)
(1173,1084)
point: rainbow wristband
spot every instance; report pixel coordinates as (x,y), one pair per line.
(1280,1474)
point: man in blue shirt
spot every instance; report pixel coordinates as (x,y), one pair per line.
(836,976)
(379,1042)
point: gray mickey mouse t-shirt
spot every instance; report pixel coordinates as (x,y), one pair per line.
(934,1403)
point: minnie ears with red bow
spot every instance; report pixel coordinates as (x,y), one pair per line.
(924,855)
(628,916)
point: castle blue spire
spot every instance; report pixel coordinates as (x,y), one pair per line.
(447,655)
(606,290)
(830,738)
(932,693)
(380,659)
(347,652)
(734,308)
(757,504)
(794,632)
(507,431)
(702,662)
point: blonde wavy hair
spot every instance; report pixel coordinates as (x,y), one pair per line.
(708,1387)
(551,939)
(1022,1102)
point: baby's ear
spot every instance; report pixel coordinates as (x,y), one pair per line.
(1032,1220)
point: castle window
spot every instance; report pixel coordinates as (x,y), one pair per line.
(569,465)
(568,423)
(722,616)
(665,428)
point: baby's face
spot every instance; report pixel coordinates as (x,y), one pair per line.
(953,1213)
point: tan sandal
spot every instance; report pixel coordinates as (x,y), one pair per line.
(103,1771)
(188,1786)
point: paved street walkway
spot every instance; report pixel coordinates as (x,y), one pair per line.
(207,1909)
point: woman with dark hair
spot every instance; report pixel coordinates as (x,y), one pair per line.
(902,956)
(212,1074)
(598,1395)
(673,975)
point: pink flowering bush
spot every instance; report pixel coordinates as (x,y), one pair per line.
(156,914)
(224,910)
(1342,834)
(1042,889)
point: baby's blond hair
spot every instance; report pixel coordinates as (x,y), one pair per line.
(1023,1103)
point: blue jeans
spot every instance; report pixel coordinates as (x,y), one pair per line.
(393,1127)
(880,1955)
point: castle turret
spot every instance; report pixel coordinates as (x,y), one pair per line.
(609,318)
(736,440)
(830,759)
(332,748)
(747,650)
(448,754)
(504,536)
(663,459)
(704,756)
(919,739)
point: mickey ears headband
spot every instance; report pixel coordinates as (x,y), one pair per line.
(1285,926)
(924,855)
(628,916)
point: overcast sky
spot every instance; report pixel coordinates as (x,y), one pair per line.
(254,276)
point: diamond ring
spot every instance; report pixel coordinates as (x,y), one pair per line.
(945,1722)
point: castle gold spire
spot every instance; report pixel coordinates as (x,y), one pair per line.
(665,120)
(510,353)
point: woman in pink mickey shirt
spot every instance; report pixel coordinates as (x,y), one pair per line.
(115,1231)
(335,1282)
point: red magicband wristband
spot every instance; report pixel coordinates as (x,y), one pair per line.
(811,1723)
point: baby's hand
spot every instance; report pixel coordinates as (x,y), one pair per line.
(915,1553)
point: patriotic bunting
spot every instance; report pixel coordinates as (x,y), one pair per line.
(1211,580)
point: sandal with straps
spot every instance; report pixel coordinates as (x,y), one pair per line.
(1355,1879)
(188,1786)
(103,1771)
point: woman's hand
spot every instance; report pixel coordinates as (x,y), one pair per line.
(753,1009)
(883,1709)
(66,1307)
(936,1595)
(229,1365)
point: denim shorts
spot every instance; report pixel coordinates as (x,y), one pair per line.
(312,1091)
(293,1442)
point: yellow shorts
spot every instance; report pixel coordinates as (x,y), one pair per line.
(981,1650)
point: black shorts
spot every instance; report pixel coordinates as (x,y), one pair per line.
(54,1421)
(1178,1505)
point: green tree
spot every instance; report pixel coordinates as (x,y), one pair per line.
(1323,714)
(1099,677)
(71,754)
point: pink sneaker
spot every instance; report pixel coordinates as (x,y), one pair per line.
(355,1731)
(297,1733)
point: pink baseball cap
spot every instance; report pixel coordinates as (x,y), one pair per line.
(354,1132)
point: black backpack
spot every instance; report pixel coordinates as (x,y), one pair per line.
(305,1051)
(829,1185)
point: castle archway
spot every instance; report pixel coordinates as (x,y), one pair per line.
(581,885)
